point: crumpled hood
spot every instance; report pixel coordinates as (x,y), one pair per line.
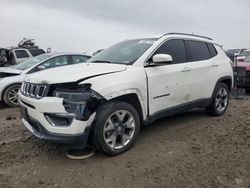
(8,71)
(73,73)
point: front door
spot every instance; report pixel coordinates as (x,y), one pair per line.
(168,85)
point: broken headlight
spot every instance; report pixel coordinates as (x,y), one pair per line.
(79,101)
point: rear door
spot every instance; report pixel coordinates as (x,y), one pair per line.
(167,84)
(204,68)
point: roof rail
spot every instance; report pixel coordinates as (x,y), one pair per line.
(188,35)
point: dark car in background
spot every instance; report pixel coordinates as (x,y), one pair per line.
(242,73)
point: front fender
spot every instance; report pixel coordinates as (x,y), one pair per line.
(127,91)
(131,81)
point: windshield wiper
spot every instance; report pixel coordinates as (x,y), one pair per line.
(101,61)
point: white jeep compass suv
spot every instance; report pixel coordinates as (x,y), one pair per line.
(107,99)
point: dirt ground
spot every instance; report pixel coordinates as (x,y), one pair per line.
(186,150)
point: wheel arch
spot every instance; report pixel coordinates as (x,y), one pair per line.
(134,99)
(226,80)
(6,87)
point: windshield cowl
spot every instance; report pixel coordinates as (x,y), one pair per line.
(104,61)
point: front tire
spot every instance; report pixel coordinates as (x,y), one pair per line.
(115,128)
(10,96)
(220,100)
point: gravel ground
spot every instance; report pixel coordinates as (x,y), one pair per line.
(187,150)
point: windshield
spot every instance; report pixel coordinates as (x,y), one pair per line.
(245,53)
(31,62)
(247,59)
(126,52)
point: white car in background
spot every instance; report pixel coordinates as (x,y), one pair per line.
(11,77)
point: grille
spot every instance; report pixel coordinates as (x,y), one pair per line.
(33,90)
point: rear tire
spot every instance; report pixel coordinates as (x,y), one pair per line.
(220,100)
(115,128)
(10,96)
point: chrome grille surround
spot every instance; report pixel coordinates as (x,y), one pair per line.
(37,91)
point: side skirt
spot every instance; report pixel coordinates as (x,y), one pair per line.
(200,103)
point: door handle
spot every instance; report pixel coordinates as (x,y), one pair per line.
(186,69)
(214,65)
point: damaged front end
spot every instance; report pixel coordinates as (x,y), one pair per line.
(79,101)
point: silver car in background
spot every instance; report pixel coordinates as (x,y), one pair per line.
(12,77)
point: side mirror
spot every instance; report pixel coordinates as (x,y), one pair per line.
(41,67)
(162,58)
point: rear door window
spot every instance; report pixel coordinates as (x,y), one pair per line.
(198,50)
(79,59)
(21,54)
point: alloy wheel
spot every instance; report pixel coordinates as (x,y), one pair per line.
(221,99)
(119,129)
(13,96)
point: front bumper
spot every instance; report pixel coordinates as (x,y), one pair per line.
(33,117)
(40,132)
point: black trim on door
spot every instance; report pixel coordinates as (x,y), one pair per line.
(189,59)
(70,59)
(200,103)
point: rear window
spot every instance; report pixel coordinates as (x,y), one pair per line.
(36,52)
(21,54)
(198,50)
(212,50)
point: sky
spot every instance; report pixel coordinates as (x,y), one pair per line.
(89,25)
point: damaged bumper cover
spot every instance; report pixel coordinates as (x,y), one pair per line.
(65,116)
(40,132)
